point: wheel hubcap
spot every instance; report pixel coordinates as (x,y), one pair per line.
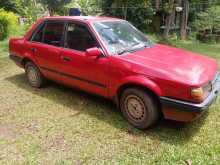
(135,108)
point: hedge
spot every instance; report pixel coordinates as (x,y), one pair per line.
(8,23)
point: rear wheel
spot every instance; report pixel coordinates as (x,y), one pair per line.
(34,76)
(139,108)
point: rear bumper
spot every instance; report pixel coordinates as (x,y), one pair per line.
(186,111)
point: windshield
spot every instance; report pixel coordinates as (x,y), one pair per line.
(121,36)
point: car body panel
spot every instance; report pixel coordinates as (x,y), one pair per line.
(175,64)
(90,74)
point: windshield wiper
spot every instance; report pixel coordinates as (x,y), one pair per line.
(129,50)
(123,51)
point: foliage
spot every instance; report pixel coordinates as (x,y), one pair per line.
(167,6)
(208,25)
(138,12)
(209,20)
(55,6)
(8,5)
(8,23)
(3,28)
(30,9)
(88,7)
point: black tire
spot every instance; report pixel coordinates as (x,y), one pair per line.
(139,108)
(34,76)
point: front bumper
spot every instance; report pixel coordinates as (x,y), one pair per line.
(186,111)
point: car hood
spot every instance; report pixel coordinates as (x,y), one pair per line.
(173,63)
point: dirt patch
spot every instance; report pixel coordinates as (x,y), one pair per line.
(57,143)
(6,132)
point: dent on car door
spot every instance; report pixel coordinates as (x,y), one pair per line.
(90,74)
(46,47)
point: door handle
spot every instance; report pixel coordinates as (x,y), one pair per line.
(64,58)
(33,50)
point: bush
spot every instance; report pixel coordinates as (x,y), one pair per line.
(3,28)
(8,23)
(208,25)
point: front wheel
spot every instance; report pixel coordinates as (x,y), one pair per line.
(139,108)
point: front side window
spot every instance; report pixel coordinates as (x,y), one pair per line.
(38,36)
(120,36)
(53,33)
(79,38)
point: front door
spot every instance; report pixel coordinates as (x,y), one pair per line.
(81,71)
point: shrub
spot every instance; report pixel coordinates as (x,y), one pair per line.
(208,25)
(3,28)
(8,23)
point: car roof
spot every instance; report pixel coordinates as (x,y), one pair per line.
(82,18)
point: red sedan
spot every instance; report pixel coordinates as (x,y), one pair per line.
(111,58)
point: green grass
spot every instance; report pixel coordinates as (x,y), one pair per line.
(59,125)
(212,50)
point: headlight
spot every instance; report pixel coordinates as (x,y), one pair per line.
(199,94)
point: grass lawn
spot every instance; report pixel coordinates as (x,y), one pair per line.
(58,125)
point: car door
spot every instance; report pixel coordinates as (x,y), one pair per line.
(82,71)
(46,46)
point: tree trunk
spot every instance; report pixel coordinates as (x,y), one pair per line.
(35,3)
(168,21)
(125,10)
(184,19)
(51,12)
(157,4)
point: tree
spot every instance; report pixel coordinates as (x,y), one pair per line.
(55,6)
(8,5)
(139,12)
(88,7)
(208,21)
(172,17)
(169,8)
(184,19)
(30,9)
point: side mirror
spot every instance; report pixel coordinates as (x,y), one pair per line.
(93,52)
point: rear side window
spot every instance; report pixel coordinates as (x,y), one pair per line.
(79,38)
(53,33)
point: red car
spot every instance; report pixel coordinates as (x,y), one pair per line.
(111,58)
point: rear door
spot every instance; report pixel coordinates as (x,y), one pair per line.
(46,46)
(81,71)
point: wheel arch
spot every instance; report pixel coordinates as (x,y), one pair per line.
(25,60)
(141,83)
